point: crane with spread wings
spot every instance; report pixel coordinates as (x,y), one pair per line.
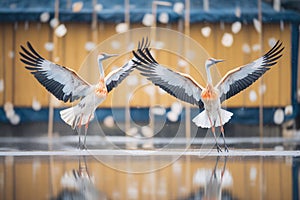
(67,86)
(210,97)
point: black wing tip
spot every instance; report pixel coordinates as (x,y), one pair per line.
(30,51)
(277,48)
(144,43)
(274,54)
(143,53)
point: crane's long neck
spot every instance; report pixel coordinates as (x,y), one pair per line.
(101,70)
(209,79)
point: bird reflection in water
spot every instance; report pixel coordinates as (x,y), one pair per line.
(211,182)
(77,184)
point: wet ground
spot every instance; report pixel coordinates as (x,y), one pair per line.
(119,167)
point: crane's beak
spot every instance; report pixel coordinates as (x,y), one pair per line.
(111,55)
(217,61)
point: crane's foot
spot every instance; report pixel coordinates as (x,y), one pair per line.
(81,146)
(219,149)
(226,148)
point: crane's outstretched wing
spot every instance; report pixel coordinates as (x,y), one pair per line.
(115,77)
(242,77)
(62,82)
(180,85)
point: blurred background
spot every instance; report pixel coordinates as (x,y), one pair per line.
(266,115)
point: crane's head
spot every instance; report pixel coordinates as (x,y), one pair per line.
(211,61)
(103,56)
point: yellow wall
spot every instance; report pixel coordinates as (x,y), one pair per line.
(21,87)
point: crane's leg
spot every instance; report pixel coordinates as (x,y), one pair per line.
(85,131)
(223,135)
(219,149)
(214,133)
(79,132)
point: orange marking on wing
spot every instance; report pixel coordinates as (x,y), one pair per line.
(101,89)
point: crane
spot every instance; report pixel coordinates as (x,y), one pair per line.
(210,97)
(67,86)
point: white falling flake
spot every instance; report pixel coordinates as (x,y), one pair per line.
(109,121)
(246,48)
(36,105)
(257,25)
(271,42)
(11,54)
(288,110)
(262,89)
(115,44)
(281,25)
(147,131)
(163,18)
(61,30)
(252,96)
(236,27)
(98,7)
(122,27)
(77,6)
(238,12)
(15,119)
(54,22)
(148,19)
(178,7)
(49,46)
(44,17)
(172,116)
(256,47)
(9,113)
(278,116)
(227,40)
(89,46)
(8,106)
(206,31)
